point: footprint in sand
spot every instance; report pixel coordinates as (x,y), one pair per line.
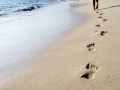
(105,20)
(103,33)
(97,12)
(101,13)
(98,25)
(100,17)
(91,46)
(92,70)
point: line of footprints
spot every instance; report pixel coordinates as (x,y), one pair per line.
(92,69)
(102,33)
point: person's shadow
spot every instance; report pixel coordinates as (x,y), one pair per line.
(110,7)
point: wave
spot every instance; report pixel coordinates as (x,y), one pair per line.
(16,3)
(10,6)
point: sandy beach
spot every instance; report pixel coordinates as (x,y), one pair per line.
(87,58)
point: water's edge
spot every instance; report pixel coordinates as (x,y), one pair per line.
(22,51)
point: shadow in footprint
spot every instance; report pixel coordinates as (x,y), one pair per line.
(85,75)
(88,75)
(88,66)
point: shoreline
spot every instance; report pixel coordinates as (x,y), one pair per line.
(66,61)
(31,38)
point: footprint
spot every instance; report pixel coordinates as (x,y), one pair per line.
(103,33)
(91,46)
(97,12)
(100,17)
(90,74)
(105,20)
(101,13)
(98,25)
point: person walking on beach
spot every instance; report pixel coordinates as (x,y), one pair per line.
(94,4)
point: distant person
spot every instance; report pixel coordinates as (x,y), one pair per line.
(95,4)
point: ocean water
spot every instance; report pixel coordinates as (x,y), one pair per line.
(9,6)
(16,3)
(29,26)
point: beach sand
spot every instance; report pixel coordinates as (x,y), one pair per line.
(86,59)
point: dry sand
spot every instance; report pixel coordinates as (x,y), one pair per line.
(83,52)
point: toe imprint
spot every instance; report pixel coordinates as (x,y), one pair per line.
(91,46)
(92,67)
(88,66)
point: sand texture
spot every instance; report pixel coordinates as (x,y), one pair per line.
(86,59)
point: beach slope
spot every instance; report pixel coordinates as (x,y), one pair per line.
(86,59)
